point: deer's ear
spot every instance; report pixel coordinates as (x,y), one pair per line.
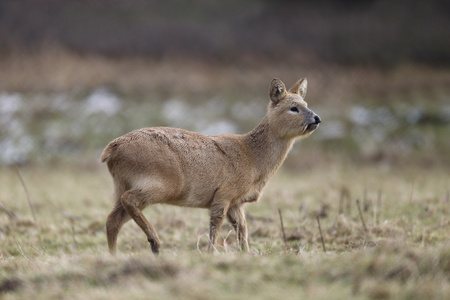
(300,87)
(277,90)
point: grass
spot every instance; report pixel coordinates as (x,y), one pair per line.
(55,69)
(404,255)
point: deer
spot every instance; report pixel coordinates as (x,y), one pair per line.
(222,173)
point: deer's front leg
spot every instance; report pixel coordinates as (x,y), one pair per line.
(236,216)
(218,212)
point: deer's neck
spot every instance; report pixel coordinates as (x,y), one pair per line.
(267,149)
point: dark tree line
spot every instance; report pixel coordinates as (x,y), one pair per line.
(370,32)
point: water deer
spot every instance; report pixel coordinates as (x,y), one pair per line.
(217,172)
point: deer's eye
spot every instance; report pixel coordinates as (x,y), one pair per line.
(294,109)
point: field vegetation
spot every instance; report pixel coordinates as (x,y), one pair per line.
(400,252)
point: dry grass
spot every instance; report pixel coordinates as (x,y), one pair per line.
(53,69)
(403,255)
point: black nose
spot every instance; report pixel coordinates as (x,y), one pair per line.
(317,118)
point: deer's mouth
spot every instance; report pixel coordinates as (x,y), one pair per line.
(311,127)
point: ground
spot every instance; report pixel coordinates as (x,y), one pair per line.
(403,253)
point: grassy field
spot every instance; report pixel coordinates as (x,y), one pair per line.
(404,252)
(384,141)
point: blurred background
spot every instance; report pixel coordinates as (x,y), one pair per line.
(76,74)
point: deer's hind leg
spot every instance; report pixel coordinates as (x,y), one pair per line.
(114,223)
(133,201)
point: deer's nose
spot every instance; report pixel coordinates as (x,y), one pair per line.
(317,118)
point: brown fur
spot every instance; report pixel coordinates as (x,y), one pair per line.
(220,173)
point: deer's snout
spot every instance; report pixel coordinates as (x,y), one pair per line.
(315,120)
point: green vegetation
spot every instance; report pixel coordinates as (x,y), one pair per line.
(403,255)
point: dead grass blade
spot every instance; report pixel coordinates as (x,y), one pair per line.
(198,242)
(321,235)
(11,215)
(27,194)
(282,229)
(361,216)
